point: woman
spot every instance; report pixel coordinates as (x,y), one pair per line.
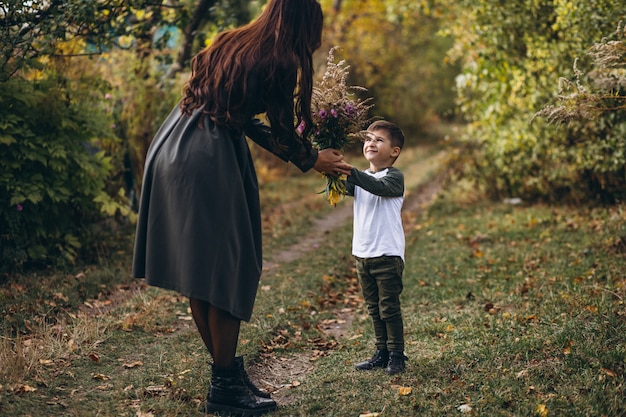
(199,228)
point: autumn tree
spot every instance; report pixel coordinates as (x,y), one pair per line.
(395,50)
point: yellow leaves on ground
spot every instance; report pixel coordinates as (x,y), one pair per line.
(541,410)
(402,390)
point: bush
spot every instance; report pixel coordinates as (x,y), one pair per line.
(50,173)
(513,54)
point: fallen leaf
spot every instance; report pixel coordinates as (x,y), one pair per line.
(521,374)
(568,347)
(465,408)
(369,414)
(56,401)
(61,297)
(608,372)
(101,377)
(542,410)
(71,344)
(156,390)
(405,390)
(20,389)
(132,364)
(94,357)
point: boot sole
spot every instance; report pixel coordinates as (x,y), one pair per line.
(226,410)
(369,367)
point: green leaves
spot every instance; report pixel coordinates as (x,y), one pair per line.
(48,178)
(514,55)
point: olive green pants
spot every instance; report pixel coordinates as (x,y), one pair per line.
(381,282)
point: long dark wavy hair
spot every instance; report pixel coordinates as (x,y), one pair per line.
(278,47)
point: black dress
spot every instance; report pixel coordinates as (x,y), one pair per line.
(199,225)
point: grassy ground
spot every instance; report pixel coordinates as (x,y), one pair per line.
(509,311)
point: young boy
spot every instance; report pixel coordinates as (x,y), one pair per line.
(378,242)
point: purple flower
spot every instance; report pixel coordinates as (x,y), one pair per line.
(301,127)
(19,207)
(350,109)
(323,113)
(107,96)
(334,113)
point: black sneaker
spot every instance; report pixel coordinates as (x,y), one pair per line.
(396,363)
(379,360)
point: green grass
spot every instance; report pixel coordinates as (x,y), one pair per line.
(509,311)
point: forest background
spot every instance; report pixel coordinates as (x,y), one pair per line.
(85,85)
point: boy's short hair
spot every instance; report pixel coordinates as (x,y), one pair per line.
(395,133)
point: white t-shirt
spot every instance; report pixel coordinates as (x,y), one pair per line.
(378,199)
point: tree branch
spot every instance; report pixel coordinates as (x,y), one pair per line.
(189,33)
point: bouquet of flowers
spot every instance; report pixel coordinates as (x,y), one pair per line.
(339,117)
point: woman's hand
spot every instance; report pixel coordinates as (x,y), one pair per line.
(330,161)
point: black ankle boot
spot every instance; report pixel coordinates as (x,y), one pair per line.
(246,379)
(379,360)
(230,395)
(396,363)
